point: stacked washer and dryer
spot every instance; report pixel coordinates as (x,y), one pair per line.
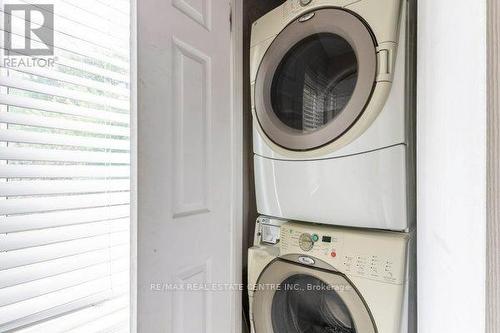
(333,104)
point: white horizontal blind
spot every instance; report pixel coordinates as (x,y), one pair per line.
(64,174)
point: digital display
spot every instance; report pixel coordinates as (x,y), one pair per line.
(327,239)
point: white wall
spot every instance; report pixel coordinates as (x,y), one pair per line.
(451,165)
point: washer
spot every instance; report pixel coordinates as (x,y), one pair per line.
(315,278)
(333,102)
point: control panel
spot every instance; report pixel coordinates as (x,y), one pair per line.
(374,255)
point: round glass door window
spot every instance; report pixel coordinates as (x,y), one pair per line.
(314,82)
(305,304)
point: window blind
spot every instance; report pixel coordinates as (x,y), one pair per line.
(64,172)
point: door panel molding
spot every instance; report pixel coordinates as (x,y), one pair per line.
(191,127)
(181,312)
(493,171)
(200,15)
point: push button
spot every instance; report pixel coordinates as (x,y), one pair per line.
(306,261)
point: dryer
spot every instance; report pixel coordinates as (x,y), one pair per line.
(317,278)
(332,86)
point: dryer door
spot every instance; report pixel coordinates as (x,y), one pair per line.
(315,79)
(293,298)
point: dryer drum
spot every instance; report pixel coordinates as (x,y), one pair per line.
(314,82)
(305,304)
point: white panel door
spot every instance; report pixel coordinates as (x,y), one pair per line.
(184,165)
